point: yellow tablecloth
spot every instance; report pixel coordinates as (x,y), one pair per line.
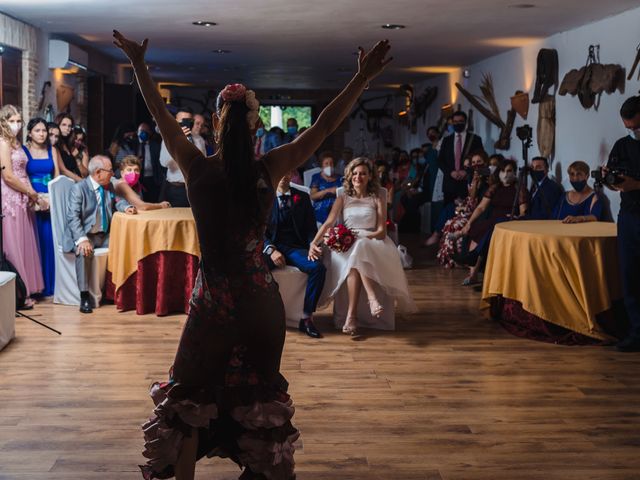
(564,274)
(133,237)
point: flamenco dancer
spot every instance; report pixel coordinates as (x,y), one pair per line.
(225,395)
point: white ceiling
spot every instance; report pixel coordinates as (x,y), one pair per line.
(305,43)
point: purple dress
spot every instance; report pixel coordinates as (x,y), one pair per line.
(19,227)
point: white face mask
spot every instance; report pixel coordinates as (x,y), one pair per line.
(15,127)
(634,133)
(507,178)
(492,169)
(328,171)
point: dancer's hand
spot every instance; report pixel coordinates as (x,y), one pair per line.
(134,51)
(371,64)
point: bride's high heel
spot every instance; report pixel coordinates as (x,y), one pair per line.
(375,307)
(349,326)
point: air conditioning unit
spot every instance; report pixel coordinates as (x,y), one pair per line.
(65,55)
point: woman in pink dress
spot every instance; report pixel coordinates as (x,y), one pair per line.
(20,243)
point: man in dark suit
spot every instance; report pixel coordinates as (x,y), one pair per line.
(89,211)
(291,228)
(453,150)
(152,174)
(545,192)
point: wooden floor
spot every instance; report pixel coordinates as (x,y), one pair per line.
(448,396)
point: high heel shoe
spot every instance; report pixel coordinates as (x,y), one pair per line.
(375,307)
(349,328)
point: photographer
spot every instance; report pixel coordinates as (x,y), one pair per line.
(174,189)
(625,157)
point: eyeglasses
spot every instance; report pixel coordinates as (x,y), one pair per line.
(109,170)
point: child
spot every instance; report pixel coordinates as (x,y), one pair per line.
(129,185)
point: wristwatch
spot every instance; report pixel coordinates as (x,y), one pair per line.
(269,250)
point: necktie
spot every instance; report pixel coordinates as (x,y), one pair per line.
(284,202)
(458,154)
(103,210)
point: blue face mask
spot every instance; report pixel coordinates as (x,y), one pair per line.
(422,161)
(260,132)
(292,130)
(579,186)
(143,135)
(450,128)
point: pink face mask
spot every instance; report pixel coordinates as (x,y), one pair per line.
(131,178)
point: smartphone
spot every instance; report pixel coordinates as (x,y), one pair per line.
(187,122)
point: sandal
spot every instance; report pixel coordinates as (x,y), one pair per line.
(375,307)
(470,281)
(349,327)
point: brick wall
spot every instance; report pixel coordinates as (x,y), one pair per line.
(19,35)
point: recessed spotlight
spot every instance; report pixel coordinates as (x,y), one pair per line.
(393,26)
(204,23)
(221,51)
(523,5)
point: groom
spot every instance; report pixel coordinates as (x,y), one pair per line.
(291,228)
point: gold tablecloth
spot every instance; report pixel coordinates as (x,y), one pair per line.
(133,237)
(565,274)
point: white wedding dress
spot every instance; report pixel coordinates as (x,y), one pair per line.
(378,260)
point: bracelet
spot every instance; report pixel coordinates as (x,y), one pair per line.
(366,81)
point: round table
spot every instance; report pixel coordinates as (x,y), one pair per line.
(153,260)
(565,274)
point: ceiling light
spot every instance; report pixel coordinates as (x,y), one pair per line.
(221,51)
(204,23)
(393,26)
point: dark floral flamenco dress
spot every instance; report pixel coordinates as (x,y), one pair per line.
(225,379)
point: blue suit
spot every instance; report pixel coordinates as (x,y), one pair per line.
(543,200)
(291,228)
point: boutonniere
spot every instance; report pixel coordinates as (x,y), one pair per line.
(296,198)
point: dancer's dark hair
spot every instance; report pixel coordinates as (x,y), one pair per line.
(235,149)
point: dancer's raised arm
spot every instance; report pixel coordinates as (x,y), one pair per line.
(179,147)
(287,157)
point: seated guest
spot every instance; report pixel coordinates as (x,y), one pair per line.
(291,228)
(452,231)
(545,192)
(130,188)
(343,161)
(89,211)
(373,260)
(581,204)
(500,198)
(323,187)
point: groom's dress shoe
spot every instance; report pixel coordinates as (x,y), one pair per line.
(306,326)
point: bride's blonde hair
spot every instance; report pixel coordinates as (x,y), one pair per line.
(372,187)
(6,113)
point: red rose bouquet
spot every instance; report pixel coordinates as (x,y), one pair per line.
(340,238)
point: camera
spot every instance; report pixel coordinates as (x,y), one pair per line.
(524,133)
(187,122)
(613,177)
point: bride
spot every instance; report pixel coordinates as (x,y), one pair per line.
(373,259)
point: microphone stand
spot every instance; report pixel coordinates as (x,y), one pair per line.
(2,261)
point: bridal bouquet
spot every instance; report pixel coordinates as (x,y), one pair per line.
(340,238)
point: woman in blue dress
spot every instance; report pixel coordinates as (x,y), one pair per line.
(42,167)
(581,204)
(323,187)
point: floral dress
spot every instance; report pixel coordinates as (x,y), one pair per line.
(225,379)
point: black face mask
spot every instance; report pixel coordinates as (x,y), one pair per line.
(459,127)
(129,142)
(538,175)
(579,186)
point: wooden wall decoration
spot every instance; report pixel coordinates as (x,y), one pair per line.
(488,107)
